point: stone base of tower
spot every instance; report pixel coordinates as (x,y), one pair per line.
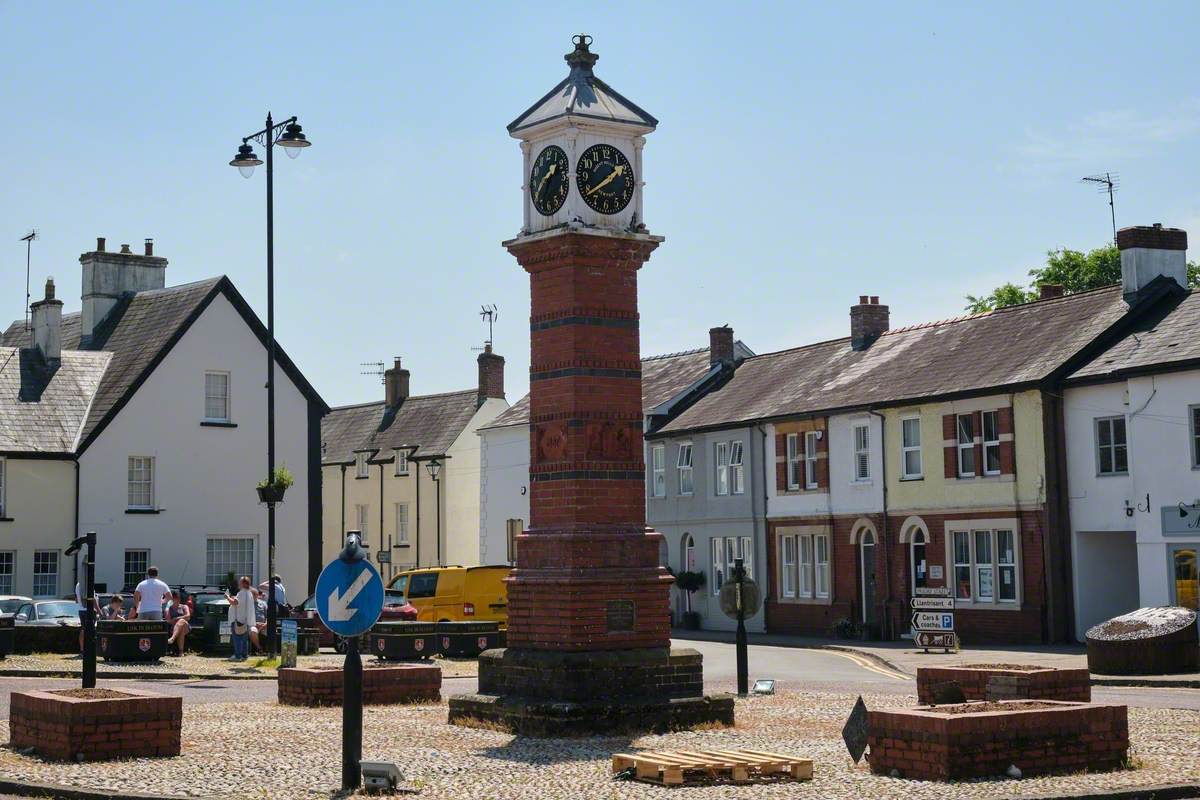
(548,693)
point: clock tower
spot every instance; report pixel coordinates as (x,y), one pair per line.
(588,602)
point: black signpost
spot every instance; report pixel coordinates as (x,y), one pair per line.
(89,606)
(933,618)
(352,714)
(741,598)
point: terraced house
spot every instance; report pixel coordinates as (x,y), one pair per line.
(926,456)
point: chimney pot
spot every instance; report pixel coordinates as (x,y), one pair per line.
(126,249)
(874,300)
(720,345)
(862,299)
(395,384)
(99,244)
(1049,290)
(149,247)
(868,321)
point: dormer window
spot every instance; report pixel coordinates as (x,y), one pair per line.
(401,462)
(360,465)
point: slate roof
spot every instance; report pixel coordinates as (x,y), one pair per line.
(429,423)
(139,332)
(1168,338)
(43,408)
(582,95)
(995,350)
(663,377)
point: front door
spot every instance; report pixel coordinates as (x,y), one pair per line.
(1185,577)
(867,571)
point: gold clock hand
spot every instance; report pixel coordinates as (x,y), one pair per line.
(616,173)
(546,177)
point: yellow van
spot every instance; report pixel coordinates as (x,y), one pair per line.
(456,594)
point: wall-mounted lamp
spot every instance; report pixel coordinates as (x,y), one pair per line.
(820,435)
(1128,509)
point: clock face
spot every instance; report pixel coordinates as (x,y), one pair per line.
(604,178)
(549,180)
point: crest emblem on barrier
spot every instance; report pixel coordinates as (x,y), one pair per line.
(144,645)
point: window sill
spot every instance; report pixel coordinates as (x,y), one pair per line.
(805,601)
(868,482)
(212,423)
(1118,474)
(966,605)
(143,511)
(405,545)
(5,519)
(906,478)
(362,477)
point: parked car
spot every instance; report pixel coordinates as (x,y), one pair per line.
(9,603)
(456,594)
(394,608)
(49,612)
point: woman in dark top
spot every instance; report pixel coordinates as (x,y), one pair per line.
(178,614)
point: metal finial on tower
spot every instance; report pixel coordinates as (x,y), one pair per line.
(581,57)
(1108,183)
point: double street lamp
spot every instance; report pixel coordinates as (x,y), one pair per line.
(288,135)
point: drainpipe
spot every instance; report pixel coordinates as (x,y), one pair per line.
(381,466)
(767,580)
(76,532)
(342,532)
(883,534)
(417,543)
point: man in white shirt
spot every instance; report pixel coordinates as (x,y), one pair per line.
(150,595)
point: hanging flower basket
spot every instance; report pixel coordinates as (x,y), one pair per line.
(271,491)
(270,494)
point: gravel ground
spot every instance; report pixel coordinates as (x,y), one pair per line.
(204,666)
(450,762)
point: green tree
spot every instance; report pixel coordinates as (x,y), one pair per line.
(1075,270)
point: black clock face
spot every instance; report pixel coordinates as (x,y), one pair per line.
(549,180)
(604,178)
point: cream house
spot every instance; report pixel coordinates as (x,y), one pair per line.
(405,471)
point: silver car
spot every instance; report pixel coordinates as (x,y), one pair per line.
(9,603)
(49,612)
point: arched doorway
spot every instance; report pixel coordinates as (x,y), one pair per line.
(867,577)
(918,561)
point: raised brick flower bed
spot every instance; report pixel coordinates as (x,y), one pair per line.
(1008,682)
(971,740)
(382,684)
(95,724)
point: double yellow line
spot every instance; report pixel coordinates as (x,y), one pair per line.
(869,664)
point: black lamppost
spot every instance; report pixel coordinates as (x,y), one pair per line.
(435,469)
(288,135)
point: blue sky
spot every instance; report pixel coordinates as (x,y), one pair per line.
(806,154)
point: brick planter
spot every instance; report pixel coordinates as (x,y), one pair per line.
(115,724)
(1038,736)
(393,683)
(1007,682)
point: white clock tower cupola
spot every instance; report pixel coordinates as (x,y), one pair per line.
(582,146)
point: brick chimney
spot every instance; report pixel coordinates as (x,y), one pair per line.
(868,320)
(395,382)
(720,345)
(1048,290)
(107,276)
(491,375)
(46,321)
(1148,251)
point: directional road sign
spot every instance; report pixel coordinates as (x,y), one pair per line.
(932,621)
(349,596)
(929,639)
(932,591)
(933,603)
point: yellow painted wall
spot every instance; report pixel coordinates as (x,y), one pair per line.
(40,505)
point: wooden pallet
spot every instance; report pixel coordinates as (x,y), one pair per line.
(674,767)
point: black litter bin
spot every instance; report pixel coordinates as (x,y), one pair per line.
(403,640)
(215,630)
(138,640)
(468,639)
(8,632)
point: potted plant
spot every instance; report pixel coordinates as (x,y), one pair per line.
(689,582)
(271,490)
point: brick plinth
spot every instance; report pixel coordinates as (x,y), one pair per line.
(581,677)
(65,728)
(399,683)
(1039,737)
(1007,684)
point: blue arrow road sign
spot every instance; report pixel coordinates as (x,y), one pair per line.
(349,596)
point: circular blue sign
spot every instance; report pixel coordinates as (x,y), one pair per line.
(349,596)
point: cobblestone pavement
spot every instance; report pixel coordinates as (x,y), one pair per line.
(200,666)
(296,752)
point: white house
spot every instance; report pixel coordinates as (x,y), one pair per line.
(158,398)
(1133,447)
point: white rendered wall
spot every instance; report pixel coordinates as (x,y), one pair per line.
(460,488)
(204,476)
(503,488)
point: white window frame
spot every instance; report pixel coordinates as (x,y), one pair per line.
(721,459)
(512,529)
(804,547)
(1112,446)
(861,434)
(8,571)
(228,415)
(54,560)
(737,468)
(805,570)
(810,459)
(658,470)
(215,578)
(401,461)
(362,519)
(125,573)
(787,566)
(1194,441)
(821,565)
(361,468)
(684,464)
(724,552)
(144,466)
(965,447)
(402,521)
(991,444)
(992,530)
(793,461)
(718,576)
(907,447)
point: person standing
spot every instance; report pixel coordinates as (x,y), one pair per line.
(150,595)
(241,618)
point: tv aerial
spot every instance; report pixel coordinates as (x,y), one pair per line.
(377,368)
(489,314)
(28,240)
(1106,183)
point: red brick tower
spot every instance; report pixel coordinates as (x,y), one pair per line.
(589,632)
